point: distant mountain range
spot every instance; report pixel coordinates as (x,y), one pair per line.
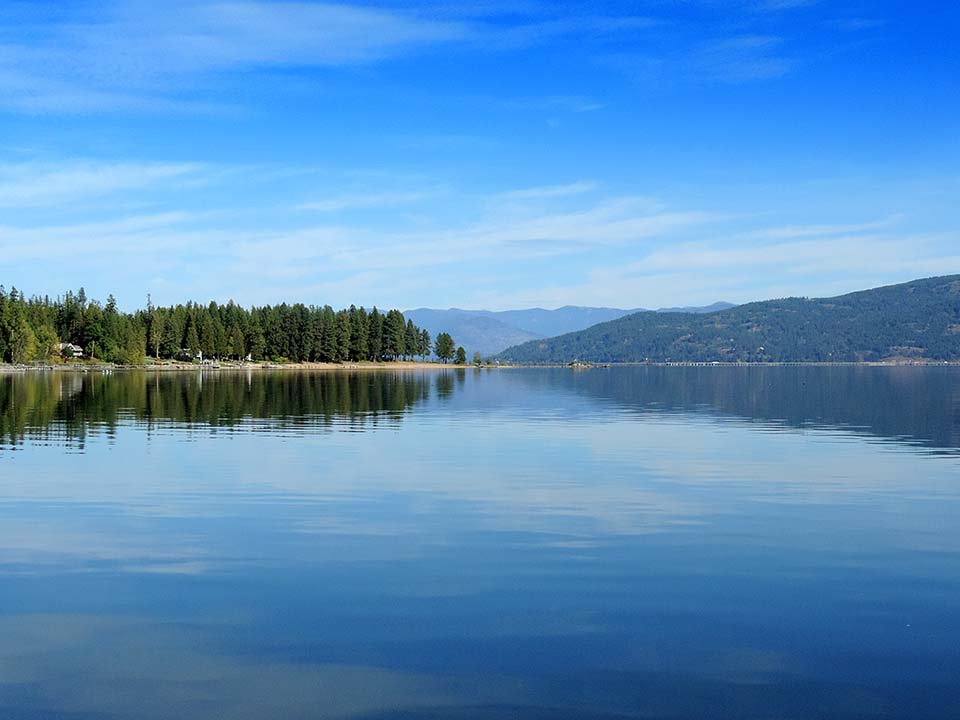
(698,309)
(489,332)
(914,320)
(476,332)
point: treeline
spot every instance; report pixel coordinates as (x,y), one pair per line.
(31,329)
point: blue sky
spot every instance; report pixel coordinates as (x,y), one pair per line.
(477,154)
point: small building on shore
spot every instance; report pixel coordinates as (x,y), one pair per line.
(69,350)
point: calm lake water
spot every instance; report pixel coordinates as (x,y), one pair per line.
(611,543)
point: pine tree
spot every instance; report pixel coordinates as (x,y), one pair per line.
(236,343)
(328,341)
(424,344)
(254,341)
(394,335)
(191,340)
(375,335)
(343,335)
(172,333)
(444,347)
(359,331)
(411,339)
(94,336)
(155,330)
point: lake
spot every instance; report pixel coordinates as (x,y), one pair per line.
(649,542)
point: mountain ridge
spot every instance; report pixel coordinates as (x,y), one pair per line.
(919,319)
(492,331)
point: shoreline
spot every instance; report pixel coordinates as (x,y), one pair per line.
(404,365)
(234,367)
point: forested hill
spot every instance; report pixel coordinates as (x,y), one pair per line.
(917,320)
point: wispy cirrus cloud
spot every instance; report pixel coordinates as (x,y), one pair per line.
(270,254)
(785,232)
(779,5)
(134,55)
(541,234)
(757,6)
(856,24)
(661,263)
(734,59)
(575,242)
(38,184)
(814,260)
(550,191)
(138,55)
(740,59)
(877,245)
(126,53)
(109,238)
(840,253)
(336,203)
(564,103)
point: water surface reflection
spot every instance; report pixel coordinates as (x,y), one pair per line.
(528,543)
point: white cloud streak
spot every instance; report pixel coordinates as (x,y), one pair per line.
(568,243)
(137,54)
(337,203)
(550,191)
(740,59)
(38,184)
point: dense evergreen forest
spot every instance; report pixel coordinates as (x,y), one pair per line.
(31,329)
(914,320)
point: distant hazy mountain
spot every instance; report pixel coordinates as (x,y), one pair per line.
(547,323)
(489,332)
(474,331)
(716,307)
(919,319)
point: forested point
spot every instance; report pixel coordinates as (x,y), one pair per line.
(71,327)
